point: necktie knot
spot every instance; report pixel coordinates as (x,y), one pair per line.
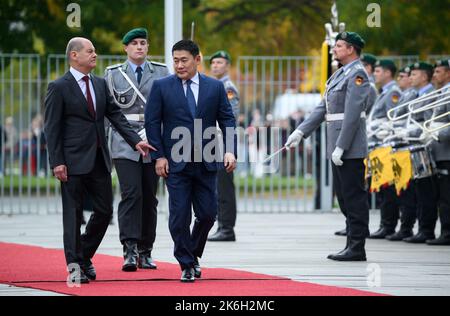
(189,82)
(86,79)
(139,74)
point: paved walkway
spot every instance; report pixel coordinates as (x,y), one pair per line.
(288,245)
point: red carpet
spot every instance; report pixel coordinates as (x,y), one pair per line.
(44,269)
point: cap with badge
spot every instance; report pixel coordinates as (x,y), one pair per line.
(134,33)
(420,65)
(351,38)
(386,64)
(369,59)
(443,63)
(220,54)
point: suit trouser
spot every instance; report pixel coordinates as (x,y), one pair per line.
(227,200)
(427,195)
(194,186)
(78,248)
(137,211)
(350,189)
(444,197)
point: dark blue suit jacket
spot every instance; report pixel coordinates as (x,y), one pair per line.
(167,107)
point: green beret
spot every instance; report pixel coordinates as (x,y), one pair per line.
(352,38)
(386,64)
(420,65)
(369,59)
(443,63)
(407,69)
(134,33)
(220,54)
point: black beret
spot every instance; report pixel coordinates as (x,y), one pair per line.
(352,38)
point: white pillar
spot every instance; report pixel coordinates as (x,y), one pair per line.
(173,28)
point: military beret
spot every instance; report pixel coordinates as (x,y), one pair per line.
(220,54)
(420,65)
(406,69)
(443,63)
(386,64)
(369,58)
(134,33)
(352,38)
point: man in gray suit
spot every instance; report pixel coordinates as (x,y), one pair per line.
(343,108)
(441,151)
(129,84)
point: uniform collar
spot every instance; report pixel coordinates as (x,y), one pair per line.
(388,85)
(225,78)
(351,64)
(425,89)
(134,66)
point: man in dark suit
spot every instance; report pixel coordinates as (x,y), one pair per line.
(75,108)
(188,105)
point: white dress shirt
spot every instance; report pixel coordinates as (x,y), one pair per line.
(79,78)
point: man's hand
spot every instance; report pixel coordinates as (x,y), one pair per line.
(60,173)
(382,134)
(162,167)
(337,155)
(143,135)
(294,139)
(143,147)
(230,162)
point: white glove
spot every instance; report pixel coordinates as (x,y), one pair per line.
(337,155)
(401,133)
(386,126)
(382,134)
(143,134)
(294,139)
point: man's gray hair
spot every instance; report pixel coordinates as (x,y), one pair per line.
(75,44)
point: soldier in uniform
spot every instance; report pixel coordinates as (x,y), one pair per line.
(369,61)
(226,216)
(344,109)
(425,189)
(441,151)
(390,206)
(129,84)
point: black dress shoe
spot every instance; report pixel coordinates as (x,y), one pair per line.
(130,256)
(354,252)
(400,235)
(441,241)
(89,270)
(146,261)
(77,276)
(419,238)
(223,235)
(187,275)
(381,233)
(341,232)
(197,269)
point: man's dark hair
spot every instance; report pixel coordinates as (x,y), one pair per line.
(187,45)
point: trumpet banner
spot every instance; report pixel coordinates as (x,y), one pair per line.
(402,167)
(381,168)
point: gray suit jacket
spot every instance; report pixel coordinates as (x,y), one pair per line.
(348,93)
(128,100)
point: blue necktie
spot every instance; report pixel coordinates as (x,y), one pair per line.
(139,74)
(190,98)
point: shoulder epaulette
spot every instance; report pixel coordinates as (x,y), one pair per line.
(158,64)
(113,66)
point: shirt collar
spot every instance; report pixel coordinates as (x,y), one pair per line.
(194,79)
(388,85)
(78,75)
(423,90)
(224,78)
(134,66)
(346,67)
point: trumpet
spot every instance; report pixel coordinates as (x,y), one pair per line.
(426,97)
(432,126)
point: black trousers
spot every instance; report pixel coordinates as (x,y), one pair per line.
(351,193)
(444,197)
(193,187)
(227,200)
(393,208)
(408,208)
(427,195)
(97,183)
(137,212)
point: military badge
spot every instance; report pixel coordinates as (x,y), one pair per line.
(359,80)
(230,94)
(122,99)
(395,98)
